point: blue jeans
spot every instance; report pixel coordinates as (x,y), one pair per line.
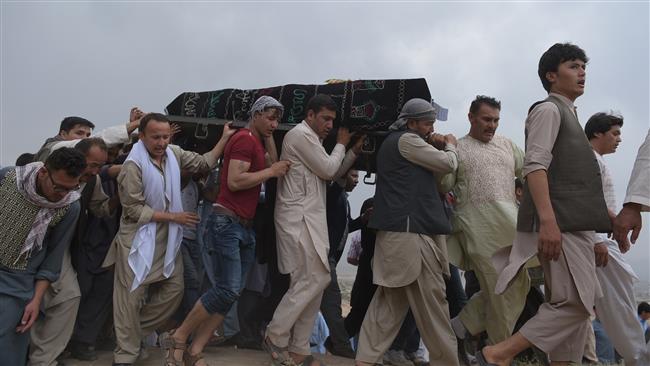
(192,276)
(228,253)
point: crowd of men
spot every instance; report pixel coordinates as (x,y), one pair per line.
(98,223)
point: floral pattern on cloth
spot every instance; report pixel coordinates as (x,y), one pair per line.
(485,163)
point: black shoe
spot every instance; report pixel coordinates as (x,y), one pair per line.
(121,364)
(339,350)
(82,351)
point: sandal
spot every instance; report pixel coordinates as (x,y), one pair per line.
(169,346)
(280,359)
(480,358)
(191,360)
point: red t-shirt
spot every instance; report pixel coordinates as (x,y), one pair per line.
(245,147)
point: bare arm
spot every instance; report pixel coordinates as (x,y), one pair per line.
(239,178)
(217,150)
(271,151)
(30,314)
(550,237)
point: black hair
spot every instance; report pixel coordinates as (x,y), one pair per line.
(319,102)
(86,144)
(68,123)
(25,158)
(644,307)
(158,117)
(71,160)
(554,56)
(483,99)
(602,122)
(518,183)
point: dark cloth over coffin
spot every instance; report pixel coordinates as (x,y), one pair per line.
(369,106)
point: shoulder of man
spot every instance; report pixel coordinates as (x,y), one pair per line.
(542,106)
(242,136)
(130,169)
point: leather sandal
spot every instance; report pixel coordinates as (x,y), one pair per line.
(191,360)
(279,359)
(480,358)
(169,346)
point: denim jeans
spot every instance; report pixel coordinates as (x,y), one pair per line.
(228,253)
(192,276)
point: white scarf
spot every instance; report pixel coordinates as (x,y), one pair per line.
(26,184)
(156,189)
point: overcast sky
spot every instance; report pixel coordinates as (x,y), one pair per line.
(97,60)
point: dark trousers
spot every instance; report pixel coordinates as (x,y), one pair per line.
(456,296)
(193,273)
(330,307)
(362,291)
(471,284)
(95,306)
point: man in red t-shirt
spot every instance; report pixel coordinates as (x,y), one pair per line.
(250,158)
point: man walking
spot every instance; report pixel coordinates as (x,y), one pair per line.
(52,331)
(410,256)
(37,221)
(250,159)
(145,250)
(617,307)
(562,206)
(485,216)
(301,228)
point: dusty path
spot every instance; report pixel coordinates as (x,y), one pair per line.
(216,356)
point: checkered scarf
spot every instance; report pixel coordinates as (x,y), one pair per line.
(26,183)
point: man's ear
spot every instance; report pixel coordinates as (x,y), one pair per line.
(551,76)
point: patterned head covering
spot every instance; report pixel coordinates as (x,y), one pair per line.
(415,108)
(264,102)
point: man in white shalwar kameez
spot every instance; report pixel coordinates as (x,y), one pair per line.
(301,228)
(617,308)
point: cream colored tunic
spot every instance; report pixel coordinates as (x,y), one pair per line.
(638,189)
(301,193)
(136,213)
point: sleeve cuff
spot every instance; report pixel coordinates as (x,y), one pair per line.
(641,200)
(145,215)
(47,276)
(532,168)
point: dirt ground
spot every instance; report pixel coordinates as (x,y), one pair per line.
(216,356)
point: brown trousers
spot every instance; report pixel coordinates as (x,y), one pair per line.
(427,300)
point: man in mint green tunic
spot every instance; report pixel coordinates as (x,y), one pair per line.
(37,220)
(485,220)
